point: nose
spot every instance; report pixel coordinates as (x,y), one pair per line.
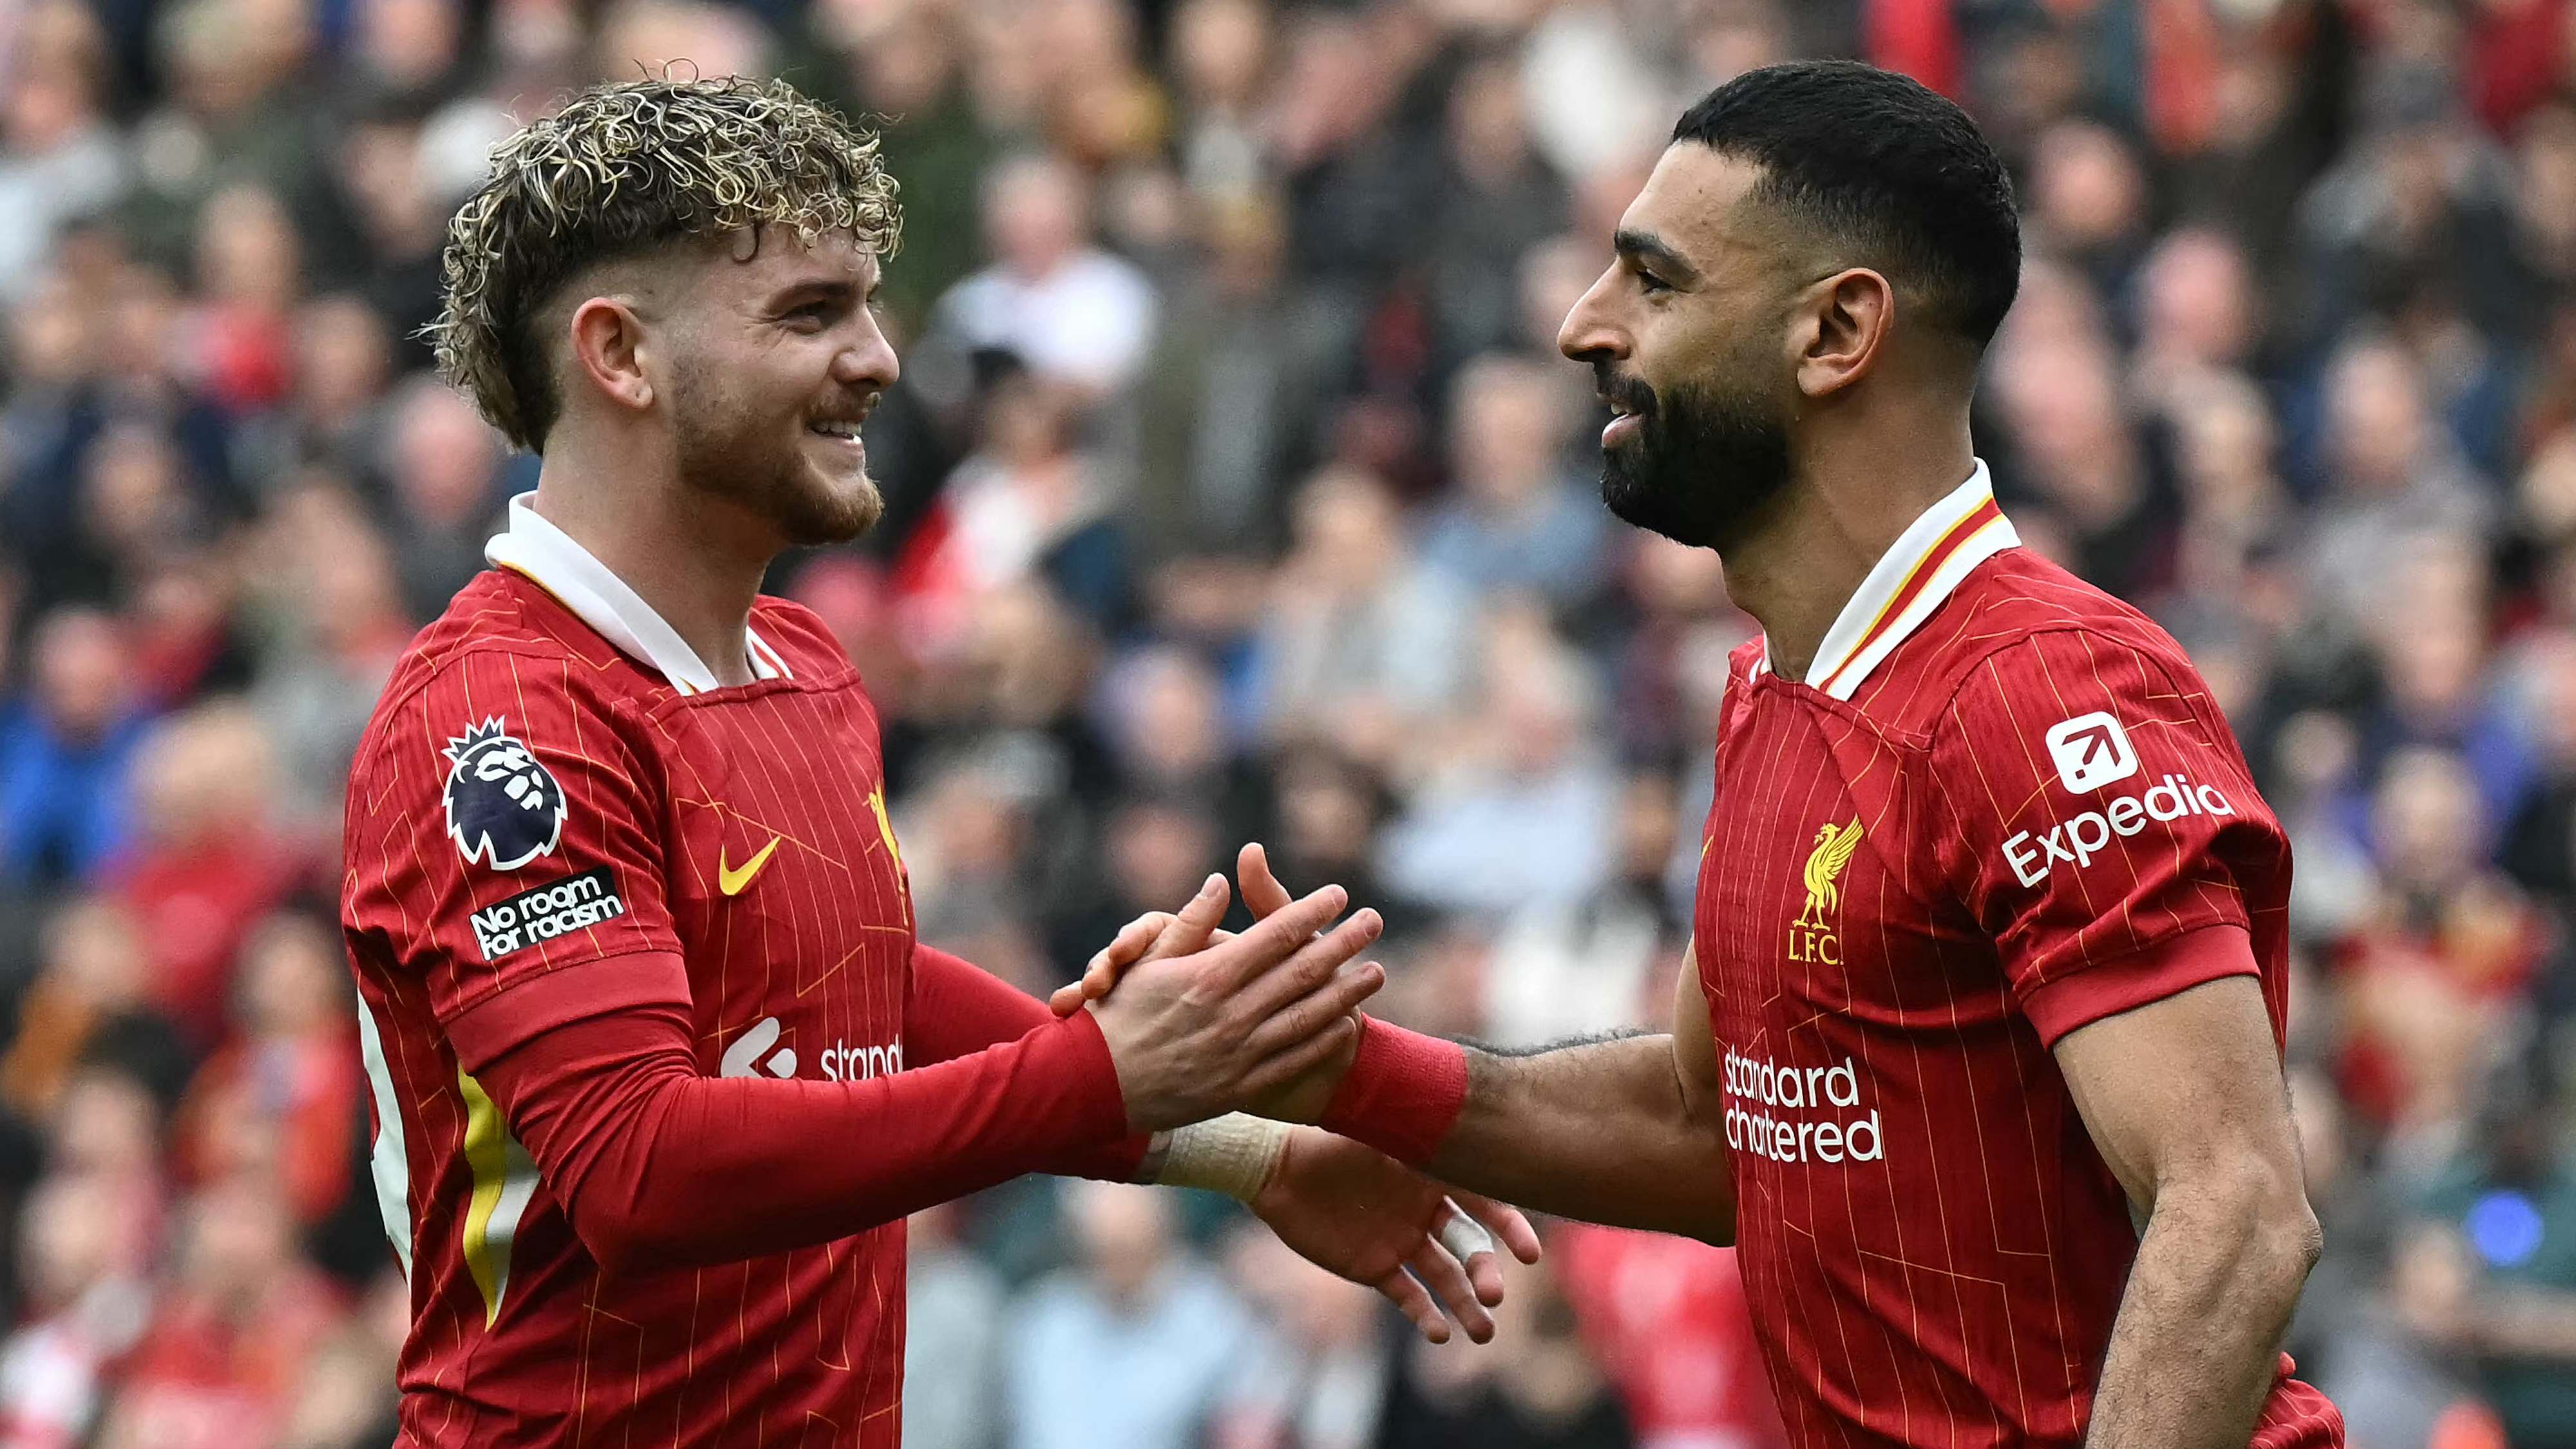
(1589,331)
(869,360)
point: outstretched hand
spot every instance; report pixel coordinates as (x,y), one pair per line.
(1362,1215)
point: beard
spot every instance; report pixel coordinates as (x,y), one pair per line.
(731,447)
(1703,461)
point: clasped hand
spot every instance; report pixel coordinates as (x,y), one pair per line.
(1266,1021)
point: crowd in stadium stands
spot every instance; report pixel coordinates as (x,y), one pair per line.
(1238,492)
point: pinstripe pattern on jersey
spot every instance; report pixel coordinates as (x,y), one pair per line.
(799,1348)
(1959,1290)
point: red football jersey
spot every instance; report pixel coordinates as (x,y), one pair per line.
(534,807)
(1959,838)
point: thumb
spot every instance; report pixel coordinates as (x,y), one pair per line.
(1196,923)
(1262,892)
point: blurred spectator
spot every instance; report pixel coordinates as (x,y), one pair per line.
(1143,1348)
(89,1003)
(225,1352)
(207,861)
(1027,505)
(1517,811)
(280,1098)
(84,1308)
(2392,478)
(1229,396)
(951,1344)
(1076,315)
(65,749)
(443,464)
(1521,524)
(1335,1350)
(58,157)
(2508,1200)
(1537,1386)
(1362,640)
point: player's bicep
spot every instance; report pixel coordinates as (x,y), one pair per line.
(2187,1088)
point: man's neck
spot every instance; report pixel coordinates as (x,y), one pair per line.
(694,559)
(1808,552)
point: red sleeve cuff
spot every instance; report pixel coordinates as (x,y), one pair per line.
(1402,1094)
(517,1012)
(1075,1048)
(2166,968)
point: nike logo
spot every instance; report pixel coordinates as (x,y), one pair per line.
(731,881)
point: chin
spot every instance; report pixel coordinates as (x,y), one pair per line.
(828,511)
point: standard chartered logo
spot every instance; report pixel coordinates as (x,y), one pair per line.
(1781,1112)
(750,1055)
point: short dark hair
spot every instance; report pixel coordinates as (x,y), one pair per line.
(1885,163)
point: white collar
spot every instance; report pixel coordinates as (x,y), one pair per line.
(557,563)
(1920,571)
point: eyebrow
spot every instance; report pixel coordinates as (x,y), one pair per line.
(1656,253)
(817,289)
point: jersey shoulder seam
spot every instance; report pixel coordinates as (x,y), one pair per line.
(1967,667)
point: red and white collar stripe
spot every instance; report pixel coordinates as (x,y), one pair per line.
(558,563)
(1913,578)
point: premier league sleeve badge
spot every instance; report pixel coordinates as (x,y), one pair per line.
(503,806)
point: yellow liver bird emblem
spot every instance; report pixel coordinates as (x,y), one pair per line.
(1834,847)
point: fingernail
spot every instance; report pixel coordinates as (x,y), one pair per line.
(1369,919)
(1214,881)
(1338,896)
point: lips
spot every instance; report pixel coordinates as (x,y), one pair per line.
(1624,396)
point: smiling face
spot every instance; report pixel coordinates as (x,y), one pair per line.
(775,359)
(1686,335)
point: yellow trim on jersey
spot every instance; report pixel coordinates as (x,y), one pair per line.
(885,826)
(504,1179)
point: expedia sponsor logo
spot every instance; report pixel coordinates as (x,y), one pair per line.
(1799,1114)
(2078,840)
(544,912)
(2091,751)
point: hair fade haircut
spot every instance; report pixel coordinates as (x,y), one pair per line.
(1881,162)
(621,170)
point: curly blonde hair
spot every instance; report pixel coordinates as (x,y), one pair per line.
(622,169)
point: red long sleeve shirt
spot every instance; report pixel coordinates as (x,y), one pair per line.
(656,1066)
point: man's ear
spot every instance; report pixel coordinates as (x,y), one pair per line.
(1843,325)
(611,351)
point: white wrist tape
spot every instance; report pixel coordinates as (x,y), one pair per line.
(1232,1154)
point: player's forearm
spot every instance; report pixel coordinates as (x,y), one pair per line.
(2199,1333)
(660,1166)
(1603,1130)
(1597,1130)
(955,1008)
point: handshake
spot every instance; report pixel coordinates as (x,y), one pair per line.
(1201,1021)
